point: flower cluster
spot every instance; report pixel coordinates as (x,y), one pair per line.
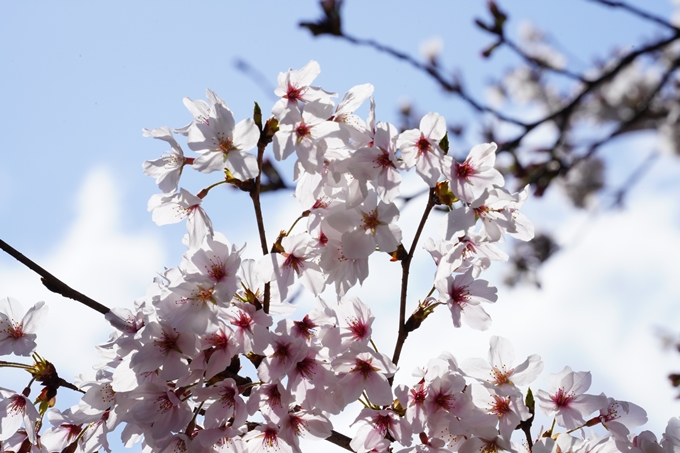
(201,365)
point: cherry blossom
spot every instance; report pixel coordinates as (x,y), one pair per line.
(476,173)
(220,355)
(420,147)
(463,294)
(17,331)
(167,169)
(175,207)
(566,399)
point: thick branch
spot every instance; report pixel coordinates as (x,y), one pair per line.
(53,283)
(340,440)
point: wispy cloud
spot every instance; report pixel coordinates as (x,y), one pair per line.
(97,257)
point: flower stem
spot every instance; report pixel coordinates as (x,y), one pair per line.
(405,268)
(205,191)
(255,196)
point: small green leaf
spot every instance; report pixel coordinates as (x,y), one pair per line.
(257,116)
(531,404)
(444,143)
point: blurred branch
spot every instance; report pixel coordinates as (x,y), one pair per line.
(539,62)
(637,12)
(256,76)
(51,282)
(644,106)
(633,178)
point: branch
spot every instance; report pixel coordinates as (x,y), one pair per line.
(641,110)
(336,438)
(406,266)
(449,86)
(340,440)
(563,115)
(53,283)
(538,62)
(638,12)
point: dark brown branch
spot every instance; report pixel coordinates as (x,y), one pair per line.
(336,438)
(538,62)
(406,266)
(340,440)
(53,283)
(639,112)
(638,12)
(450,86)
(563,115)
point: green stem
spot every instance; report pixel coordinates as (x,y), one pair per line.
(205,191)
(294,223)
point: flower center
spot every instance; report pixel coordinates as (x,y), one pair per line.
(562,399)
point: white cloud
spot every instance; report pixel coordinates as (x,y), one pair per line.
(97,258)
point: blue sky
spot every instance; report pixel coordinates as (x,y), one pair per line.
(81,79)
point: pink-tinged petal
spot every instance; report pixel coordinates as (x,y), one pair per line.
(246,135)
(35,317)
(429,166)
(224,123)
(388,237)
(587,404)
(433,126)
(476,317)
(284,143)
(457,222)
(353,99)
(357,244)
(198,227)
(477,368)
(242,165)
(313,278)
(577,383)
(526,372)
(484,154)
(209,162)
(378,389)
(306,75)
(501,352)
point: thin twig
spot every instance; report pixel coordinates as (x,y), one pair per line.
(255,196)
(633,178)
(562,115)
(538,62)
(53,283)
(406,266)
(641,110)
(638,12)
(450,86)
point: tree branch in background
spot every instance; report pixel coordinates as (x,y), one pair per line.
(539,174)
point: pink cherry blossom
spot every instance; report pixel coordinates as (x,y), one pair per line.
(475,174)
(167,169)
(420,147)
(18,330)
(566,398)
